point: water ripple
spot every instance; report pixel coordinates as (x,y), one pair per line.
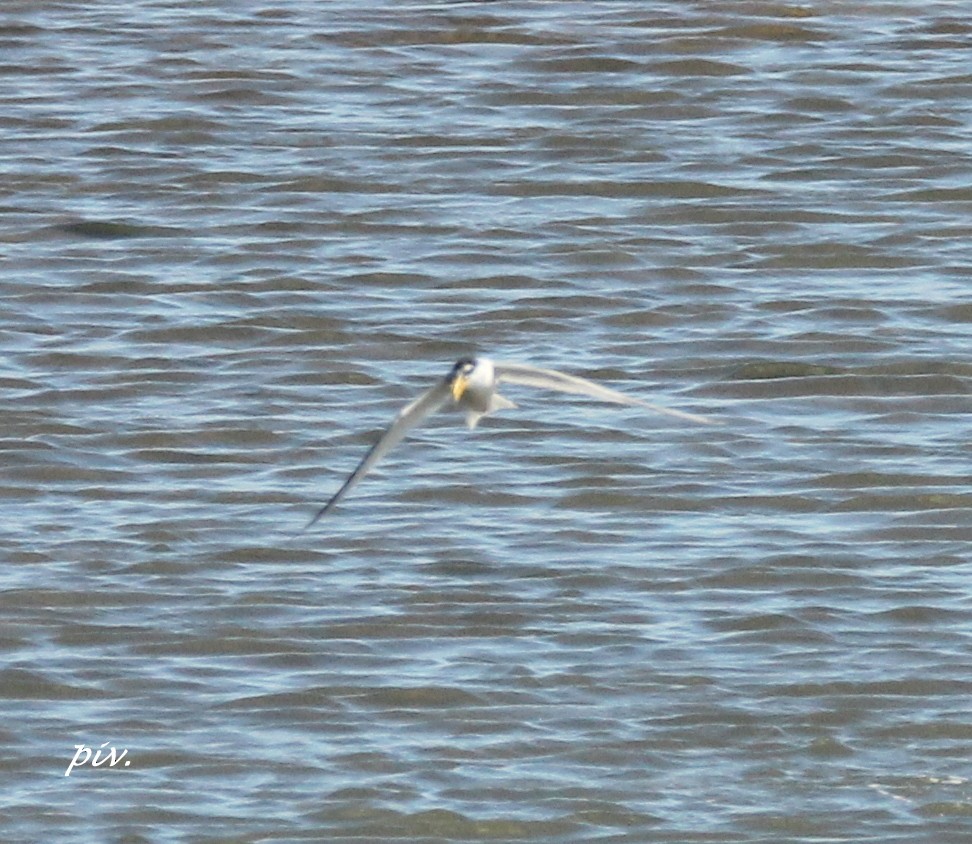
(236,239)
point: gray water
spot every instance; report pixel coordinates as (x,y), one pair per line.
(237,237)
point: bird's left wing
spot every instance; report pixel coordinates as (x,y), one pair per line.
(550,379)
(410,416)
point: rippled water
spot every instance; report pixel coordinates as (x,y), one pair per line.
(237,237)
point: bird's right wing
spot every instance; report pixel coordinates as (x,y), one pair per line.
(409,417)
(551,379)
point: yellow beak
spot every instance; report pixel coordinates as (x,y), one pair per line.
(459,386)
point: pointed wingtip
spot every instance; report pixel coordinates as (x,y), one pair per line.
(316,517)
(671,411)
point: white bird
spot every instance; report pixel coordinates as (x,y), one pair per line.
(472,385)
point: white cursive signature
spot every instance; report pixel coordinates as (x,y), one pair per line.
(83,755)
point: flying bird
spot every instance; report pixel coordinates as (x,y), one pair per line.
(472,384)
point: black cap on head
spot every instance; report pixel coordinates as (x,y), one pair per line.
(464,363)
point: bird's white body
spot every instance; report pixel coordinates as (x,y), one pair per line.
(479,395)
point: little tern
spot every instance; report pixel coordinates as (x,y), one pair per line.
(472,384)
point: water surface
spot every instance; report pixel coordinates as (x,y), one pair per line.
(236,238)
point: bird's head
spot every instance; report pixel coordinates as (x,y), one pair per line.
(460,375)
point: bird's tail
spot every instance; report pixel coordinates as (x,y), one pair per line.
(496,402)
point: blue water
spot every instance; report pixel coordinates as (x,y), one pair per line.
(238,238)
